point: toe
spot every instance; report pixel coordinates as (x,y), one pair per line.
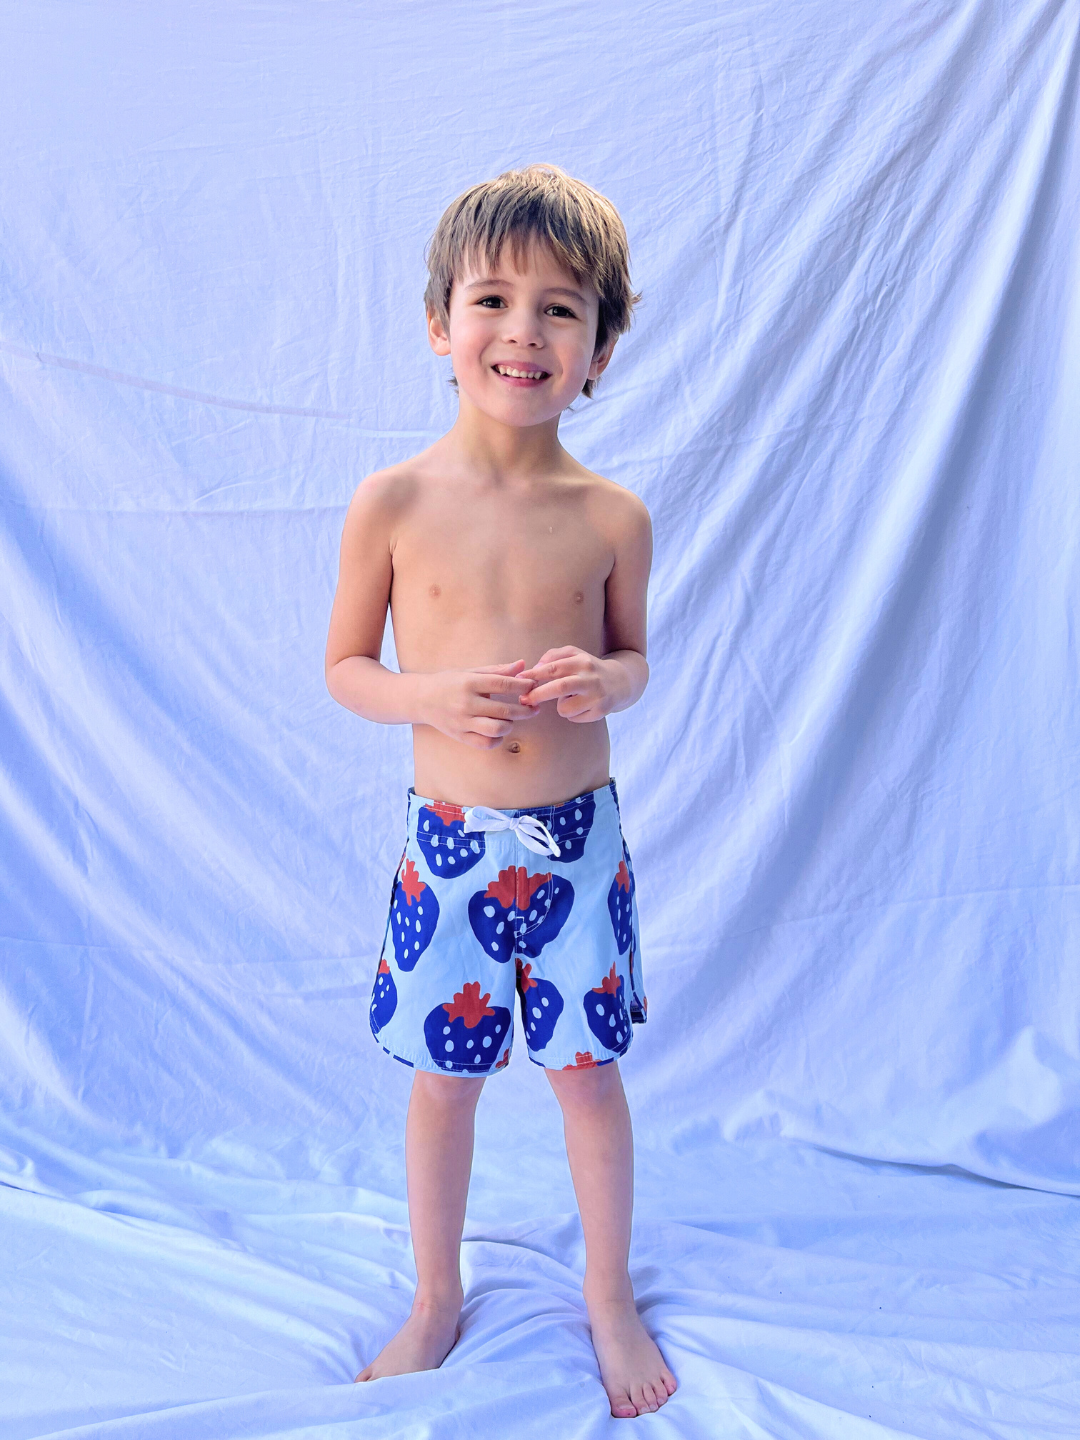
(640,1395)
(622,1407)
(365,1374)
(649,1399)
(669,1381)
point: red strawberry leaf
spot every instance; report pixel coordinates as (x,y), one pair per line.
(447,813)
(468,1005)
(411,883)
(609,985)
(583,1061)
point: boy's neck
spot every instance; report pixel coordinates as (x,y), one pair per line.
(501,451)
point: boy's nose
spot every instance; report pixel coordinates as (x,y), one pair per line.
(522,328)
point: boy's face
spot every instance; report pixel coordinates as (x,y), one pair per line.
(538,321)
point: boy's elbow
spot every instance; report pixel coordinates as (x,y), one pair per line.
(332,676)
(643,675)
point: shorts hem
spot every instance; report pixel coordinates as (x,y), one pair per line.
(583,1060)
(434,1068)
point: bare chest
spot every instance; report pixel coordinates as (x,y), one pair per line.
(525,563)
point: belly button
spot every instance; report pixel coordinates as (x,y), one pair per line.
(514,747)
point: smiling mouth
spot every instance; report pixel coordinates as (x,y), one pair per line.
(515,372)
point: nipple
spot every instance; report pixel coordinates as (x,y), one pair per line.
(579,596)
(434,592)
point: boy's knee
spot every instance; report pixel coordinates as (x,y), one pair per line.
(448,1092)
(586,1089)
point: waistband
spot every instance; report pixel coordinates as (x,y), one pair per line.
(603,797)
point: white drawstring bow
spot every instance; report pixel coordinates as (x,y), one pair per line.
(532,833)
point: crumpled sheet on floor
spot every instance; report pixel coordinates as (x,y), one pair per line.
(849,401)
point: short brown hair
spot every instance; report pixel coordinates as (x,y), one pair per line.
(540,203)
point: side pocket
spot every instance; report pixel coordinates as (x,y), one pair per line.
(639,1005)
(390,906)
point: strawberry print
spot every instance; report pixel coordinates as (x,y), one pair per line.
(571,825)
(447,849)
(519,911)
(464,1033)
(541,1006)
(583,1060)
(413,916)
(606,1013)
(620,904)
(384,998)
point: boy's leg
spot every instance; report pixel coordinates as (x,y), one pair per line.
(438,1160)
(600,1149)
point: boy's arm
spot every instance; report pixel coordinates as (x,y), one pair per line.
(588,687)
(475,706)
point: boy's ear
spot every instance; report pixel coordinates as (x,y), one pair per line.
(438,334)
(601,358)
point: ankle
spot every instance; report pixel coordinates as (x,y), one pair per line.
(438,1300)
(605,1291)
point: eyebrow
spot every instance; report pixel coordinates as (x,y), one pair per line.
(487,282)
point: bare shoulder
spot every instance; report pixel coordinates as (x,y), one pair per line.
(388,491)
(618,511)
(384,498)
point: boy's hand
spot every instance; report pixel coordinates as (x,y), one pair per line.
(477,706)
(587,688)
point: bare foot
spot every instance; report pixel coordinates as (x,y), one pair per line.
(633,1371)
(422,1343)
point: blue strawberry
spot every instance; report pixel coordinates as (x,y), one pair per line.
(520,911)
(629,868)
(571,827)
(413,916)
(605,1010)
(383,998)
(464,1034)
(448,850)
(620,904)
(541,1006)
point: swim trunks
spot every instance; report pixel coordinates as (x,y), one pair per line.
(489,903)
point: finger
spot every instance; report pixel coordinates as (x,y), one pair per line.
(555,690)
(507,668)
(491,684)
(484,725)
(499,710)
(547,671)
(479,742)
(562,652)
(574,708)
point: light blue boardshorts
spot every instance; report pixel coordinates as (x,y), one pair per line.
(482,909)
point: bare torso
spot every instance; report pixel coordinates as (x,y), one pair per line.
(485,575)
(537,571)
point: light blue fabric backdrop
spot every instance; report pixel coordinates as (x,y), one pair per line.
(850,401)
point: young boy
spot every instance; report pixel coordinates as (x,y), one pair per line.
(516,581)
